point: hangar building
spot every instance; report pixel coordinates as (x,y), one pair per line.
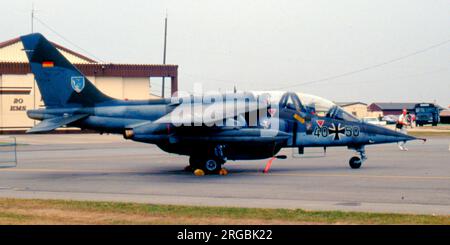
(358,109)
(389,108)
(19,92)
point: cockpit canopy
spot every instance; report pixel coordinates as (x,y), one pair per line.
(307,103)
(300,102)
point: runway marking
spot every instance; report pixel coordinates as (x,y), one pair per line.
(249,173)
(361,176)
(86,158)
(43,170)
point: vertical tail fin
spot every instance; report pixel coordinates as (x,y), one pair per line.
(61,83)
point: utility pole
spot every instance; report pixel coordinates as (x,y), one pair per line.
(32,17)
(34,80)
(164,55)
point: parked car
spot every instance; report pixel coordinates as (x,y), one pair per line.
(373,120)
(390,119)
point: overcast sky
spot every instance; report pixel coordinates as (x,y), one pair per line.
(360,50)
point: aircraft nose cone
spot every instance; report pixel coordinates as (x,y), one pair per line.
(398,134)
(379,134)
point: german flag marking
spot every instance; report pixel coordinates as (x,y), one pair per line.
(47,64)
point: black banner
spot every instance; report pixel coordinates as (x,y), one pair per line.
(225,234)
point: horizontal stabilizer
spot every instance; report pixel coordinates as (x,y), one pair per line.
(54,123)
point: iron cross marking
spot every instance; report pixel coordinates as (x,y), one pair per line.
(336,130)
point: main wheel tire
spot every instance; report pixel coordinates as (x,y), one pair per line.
(355,162)
(212,166)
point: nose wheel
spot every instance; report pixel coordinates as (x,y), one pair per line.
(356,162)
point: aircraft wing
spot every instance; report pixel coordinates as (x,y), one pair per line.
(189,113)
(55,122)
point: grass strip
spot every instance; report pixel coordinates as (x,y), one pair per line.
(37,211)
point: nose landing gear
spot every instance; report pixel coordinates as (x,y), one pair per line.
(356,162)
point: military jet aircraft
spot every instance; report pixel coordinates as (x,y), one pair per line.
(211,128)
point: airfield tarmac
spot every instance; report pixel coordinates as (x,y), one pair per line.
(109,168)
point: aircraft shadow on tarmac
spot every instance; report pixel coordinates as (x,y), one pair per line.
(173,171)
(238,171)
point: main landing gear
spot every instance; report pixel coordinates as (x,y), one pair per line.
(356,162)
(208,164)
